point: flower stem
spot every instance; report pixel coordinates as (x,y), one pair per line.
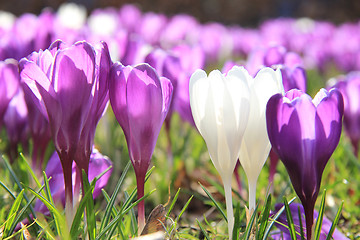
(309,219)
(69,207)
(229,205)
(252,195)
(140,182)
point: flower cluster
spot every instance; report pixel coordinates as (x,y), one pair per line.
(149,66)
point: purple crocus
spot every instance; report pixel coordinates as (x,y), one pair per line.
(69,86)
(292,77)
(39,131)
(9,84)
(304,132)
(16,124)
(284,233)
(98,164)
(168,66)
(271,56)
(349,87)
(140,101)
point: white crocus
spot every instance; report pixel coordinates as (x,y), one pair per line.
(220,107)
(256,145)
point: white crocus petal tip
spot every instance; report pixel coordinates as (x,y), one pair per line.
(239,71)
(198,74)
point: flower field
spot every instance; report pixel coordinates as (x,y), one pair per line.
(120,124)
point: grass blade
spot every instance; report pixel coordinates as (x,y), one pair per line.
(173,203)
(301,226)
(89,202)
(290,220)
(51,200)
(214,201)
(319,220)
(335,222)
(8,190)
(203,230)
(237,223)
(264,218)
(29,169)
(183,209)
(12,214)
(249,227)
(22,212)
(110,205)
(52,208)
(16,180)
(272,221)
(120,215)
(79,212)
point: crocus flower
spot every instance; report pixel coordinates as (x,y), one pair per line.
(140,100)
(16,124)
(292,77)
(98,164)
(129,15)
(39,131)
(220,106)
(284,233)
(270,56)
(304,132)
(9,84)
(69,86)
(349,87)
(256,145)
(166,65)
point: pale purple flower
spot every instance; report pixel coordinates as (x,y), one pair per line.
(150,27)
(349,87)
(16,124)
(9,84)
(271,56)
(140,100)
(130,15)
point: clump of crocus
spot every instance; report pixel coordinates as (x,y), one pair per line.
(69,86)
(283,226)
(304,132)
(220,106)
(9,84)
(349,87)
(256,145)
(140,100)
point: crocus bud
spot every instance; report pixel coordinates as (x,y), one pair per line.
(293,77)
(140,101)
(9,84)
(304,132)
(256,145)
(16,124)
(349,86)
(220,106)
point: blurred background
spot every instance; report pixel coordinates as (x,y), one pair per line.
(242,12)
